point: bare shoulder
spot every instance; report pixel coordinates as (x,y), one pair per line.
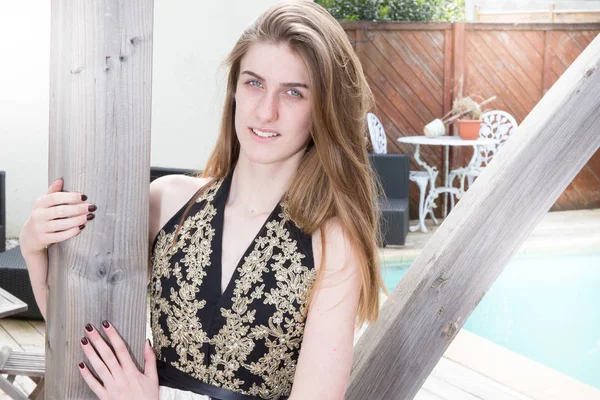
(167,195)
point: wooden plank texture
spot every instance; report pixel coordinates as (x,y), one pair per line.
(459,81)
(469,381)
(446,282)
(28,337)
(100,108)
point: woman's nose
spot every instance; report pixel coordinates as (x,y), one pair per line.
(268,108)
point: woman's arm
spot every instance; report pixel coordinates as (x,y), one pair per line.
(326,355)
(56,217)
(37,266)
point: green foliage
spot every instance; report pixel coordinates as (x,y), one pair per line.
(450,11)
(355,10)
(395,10)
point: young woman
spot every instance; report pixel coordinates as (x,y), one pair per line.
(263,265)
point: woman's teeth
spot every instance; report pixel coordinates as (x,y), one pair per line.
(264,134)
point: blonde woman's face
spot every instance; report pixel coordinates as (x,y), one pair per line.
(273,104)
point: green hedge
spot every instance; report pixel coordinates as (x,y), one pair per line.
(396,10)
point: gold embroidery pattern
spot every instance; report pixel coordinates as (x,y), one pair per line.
(185,329)
(282,335)
(279,333)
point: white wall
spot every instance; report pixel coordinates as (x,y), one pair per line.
(527,5)
(191,39)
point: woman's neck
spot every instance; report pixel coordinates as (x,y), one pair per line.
(258,188)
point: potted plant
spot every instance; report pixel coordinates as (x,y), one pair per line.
(470,122)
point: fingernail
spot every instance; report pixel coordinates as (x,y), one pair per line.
(58,179)
(148,341)
(105,324)
(92,208)
(81,227)
(81,365)
(90,217)
(83,197)
(88,327)
(84,341)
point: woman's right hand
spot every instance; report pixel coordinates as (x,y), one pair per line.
(56,217)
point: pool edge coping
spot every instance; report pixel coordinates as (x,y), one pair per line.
(515,371)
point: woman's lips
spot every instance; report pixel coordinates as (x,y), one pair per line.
(261,139)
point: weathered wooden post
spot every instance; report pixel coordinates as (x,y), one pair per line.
(469,250)
(100,104)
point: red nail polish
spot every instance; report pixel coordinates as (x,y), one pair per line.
(81,227)
(92,208)
(81,365)
(105,324)
(88,327)
(90,217)
(84,341)
(83,197)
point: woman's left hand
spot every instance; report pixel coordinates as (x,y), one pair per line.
(120,376)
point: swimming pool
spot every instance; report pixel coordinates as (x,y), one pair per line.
(544,308)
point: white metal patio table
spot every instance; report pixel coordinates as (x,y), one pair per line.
(434,191)
(10,304)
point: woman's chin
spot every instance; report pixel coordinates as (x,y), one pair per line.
(261,157)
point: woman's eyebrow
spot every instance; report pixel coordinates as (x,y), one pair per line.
(286,84)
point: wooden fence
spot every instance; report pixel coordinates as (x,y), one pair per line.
(415,70)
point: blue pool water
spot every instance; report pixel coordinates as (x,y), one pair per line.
(544,308)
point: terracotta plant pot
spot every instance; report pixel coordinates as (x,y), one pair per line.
(469,128)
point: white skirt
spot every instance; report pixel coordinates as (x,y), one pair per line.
(167,393)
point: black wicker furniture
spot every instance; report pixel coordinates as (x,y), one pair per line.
(14,278)
(393,172)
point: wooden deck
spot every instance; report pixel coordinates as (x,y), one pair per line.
(450,380)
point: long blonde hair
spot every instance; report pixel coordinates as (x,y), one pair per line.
(334,178)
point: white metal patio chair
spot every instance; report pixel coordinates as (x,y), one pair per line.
(496,124)
(421,178)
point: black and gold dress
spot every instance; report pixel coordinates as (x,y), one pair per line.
(243,343)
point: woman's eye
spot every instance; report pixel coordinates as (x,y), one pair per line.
(254,83)
(295,93)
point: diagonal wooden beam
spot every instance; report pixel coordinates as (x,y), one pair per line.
(100,103)
(470,249)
